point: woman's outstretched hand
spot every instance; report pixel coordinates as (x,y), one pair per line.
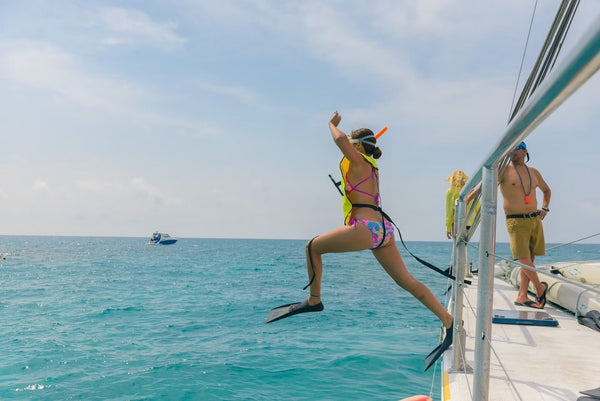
(335,120)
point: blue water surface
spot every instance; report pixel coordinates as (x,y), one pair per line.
(115,318)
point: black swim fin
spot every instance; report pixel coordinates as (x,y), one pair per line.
(591,320)
(288,310)
(594,393)
(439,350)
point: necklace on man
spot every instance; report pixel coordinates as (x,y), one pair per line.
(527,200)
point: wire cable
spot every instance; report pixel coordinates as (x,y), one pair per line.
(487,338)
(572,242)
(512,104)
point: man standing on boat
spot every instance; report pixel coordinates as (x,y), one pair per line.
(524,221)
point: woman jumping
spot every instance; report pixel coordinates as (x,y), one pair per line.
(365,227)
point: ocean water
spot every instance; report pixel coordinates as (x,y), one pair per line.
(116,319)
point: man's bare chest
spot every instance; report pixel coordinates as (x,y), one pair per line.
(520,180)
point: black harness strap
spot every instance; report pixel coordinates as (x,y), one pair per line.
(383,217)
(445,273)
(311,263)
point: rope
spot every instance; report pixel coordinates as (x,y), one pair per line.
(433,379)
(522,62)
(549,274)
(572,242)
(593,288)
(487,339)
(464,359)
(512,384)
(446,302)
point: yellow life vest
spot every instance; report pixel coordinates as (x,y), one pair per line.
(344,168)
(451,195)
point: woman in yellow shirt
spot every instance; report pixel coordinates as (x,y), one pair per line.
(457,179)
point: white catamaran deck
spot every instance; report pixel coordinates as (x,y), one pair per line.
(543,363)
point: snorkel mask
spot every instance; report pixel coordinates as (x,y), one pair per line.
(371,136)
(363,140)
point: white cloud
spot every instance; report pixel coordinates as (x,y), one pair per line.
(40,186)
(152,193)
(239,93)
(116,189)
(349,50)
(126,27)
(99,186)
(44,66)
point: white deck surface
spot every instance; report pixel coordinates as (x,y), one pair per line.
(544,363)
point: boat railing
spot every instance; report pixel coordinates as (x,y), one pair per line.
(577,67)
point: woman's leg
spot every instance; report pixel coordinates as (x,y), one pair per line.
(391,261)
(344,239)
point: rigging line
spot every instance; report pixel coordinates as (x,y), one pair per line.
(462,351)
(535,73)
(446,302)
(465,372)
(512,384)
(510,112)
(433,380)
(464,369)
(464,364)
(549,50)
(506,374)
(487,338)
(595,289)
(572,242)
(575,6)
(561,32)
(563,24)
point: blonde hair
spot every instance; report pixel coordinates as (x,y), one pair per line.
(458,179)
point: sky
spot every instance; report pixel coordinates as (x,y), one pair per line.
(208,119)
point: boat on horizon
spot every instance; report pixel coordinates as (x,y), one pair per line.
(162,239)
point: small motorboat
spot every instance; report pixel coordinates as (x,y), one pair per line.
(162,239)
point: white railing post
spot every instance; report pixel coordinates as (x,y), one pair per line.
(459,263)
(485,289)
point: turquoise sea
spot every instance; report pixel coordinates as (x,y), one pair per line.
(85,318)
